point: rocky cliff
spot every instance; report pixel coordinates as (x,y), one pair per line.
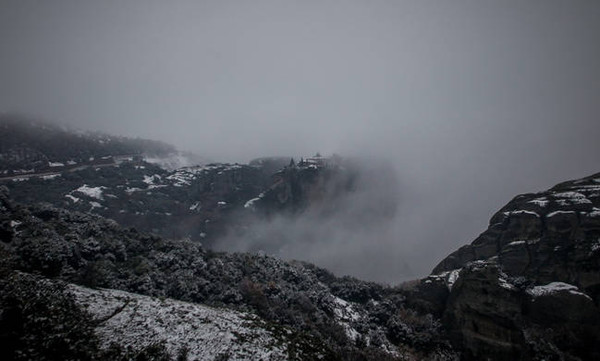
(529,286)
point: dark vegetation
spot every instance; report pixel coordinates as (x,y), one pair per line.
(92,251)
(40,321)
(28,144)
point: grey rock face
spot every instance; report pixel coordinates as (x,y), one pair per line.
(529,286)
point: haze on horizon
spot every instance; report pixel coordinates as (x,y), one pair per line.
(472,102)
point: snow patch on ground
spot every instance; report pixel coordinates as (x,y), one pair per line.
(152,181)
(93,192)
(207,333)
(74,199)
(181,178)
(130,190)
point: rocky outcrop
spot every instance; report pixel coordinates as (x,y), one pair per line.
(314,183)
(484,314)
(529,286)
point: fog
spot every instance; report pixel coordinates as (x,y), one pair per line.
(472,102)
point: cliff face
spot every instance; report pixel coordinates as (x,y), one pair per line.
(529,286)
(314,183)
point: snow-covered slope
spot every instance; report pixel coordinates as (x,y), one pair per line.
(200,332)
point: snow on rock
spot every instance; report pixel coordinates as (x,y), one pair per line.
(516,243)
(549,215)
(555,287)
(196,206)
(452,277)
(55,164)
(93,192)
(596,246)
(504,282)
(568,198)
(344,311)
(345,314)
(250,204)
(594,213)
(542,202)
(152,181)
(182,177)
(206,333)
(185,176)
(519,212)
(449,277)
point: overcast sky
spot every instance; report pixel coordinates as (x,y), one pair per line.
(472,101)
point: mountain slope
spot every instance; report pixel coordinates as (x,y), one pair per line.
(31,146)
(196,331)
(340,318)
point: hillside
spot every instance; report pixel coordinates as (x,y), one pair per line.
(117,261)
(340,318)
(203,203)
(32,146)
(493,305)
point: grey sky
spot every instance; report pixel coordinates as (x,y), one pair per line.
(473,101)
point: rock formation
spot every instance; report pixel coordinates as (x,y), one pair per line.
(529,286)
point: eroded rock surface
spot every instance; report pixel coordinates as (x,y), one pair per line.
(529,286)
